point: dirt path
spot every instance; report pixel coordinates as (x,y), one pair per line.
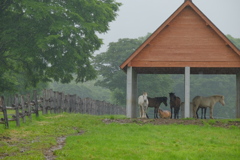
(215,123)
(49,154)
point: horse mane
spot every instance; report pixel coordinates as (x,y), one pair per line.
(218,96)
(161,98)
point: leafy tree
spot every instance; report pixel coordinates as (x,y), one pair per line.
(48,40)
(107,63)
(235,41)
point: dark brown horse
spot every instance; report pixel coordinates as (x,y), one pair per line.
(155,102)
(175,103)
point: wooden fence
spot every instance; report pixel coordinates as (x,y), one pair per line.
(53,102)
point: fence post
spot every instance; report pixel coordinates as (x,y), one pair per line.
(51,98)
(4,109)
(68,103)
(65,107)
(84,106)
(44,106)
(48,100)
(74,103)
(60,95)
(29,111)
(54,101)
(23,109)
(16,105)
(36,102)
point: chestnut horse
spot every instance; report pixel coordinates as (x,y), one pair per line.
(156,102)
(175,103)
(206,102)
(143,104)
(164,113)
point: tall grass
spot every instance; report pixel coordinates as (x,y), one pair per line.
(118,141)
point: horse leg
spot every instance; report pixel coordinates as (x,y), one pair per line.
(205,110)
(195,108)
(147,115)
(211,113)
(176,112)
(197,113)
(202,113)
(155,112)
(171,112)
(145,111)
(140,110)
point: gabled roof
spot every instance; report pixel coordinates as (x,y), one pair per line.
(162,55)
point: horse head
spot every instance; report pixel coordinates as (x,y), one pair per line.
(172,97)
(165,101)
(221,100)
(145,96)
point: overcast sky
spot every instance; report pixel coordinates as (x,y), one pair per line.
(136,18)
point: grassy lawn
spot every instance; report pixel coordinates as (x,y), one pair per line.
(87,137)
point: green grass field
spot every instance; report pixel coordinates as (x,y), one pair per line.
(87,137)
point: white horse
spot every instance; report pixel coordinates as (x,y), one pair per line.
(143,104)
(206,102)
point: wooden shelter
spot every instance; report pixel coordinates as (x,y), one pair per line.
(186,43)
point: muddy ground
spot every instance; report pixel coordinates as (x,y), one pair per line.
(215,123)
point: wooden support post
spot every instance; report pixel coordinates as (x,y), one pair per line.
(238,96)
(131,109)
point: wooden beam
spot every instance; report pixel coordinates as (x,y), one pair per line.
(185,63)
